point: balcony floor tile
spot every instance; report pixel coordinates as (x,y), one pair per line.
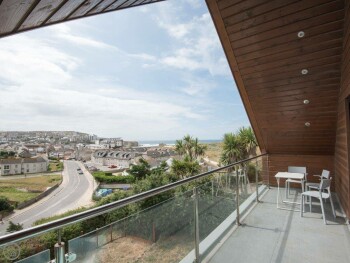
(269,234)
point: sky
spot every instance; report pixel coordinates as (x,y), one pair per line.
(155,72)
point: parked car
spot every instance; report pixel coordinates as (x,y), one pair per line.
(112,166)
(103,192)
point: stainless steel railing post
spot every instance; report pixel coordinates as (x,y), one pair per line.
(111,229)
(237,196)
(257,181)
(196,224)
(59,250)
(268,170)
(96,237)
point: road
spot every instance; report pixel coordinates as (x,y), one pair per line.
(75,191)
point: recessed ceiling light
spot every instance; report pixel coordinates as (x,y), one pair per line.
(304,71)
(301,34)
(306,101)
(307,124)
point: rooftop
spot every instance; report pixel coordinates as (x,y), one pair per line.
(22,160)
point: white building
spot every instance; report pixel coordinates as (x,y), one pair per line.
(13,166)
(160,154)
(118,158)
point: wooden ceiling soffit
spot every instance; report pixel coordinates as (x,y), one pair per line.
(18,16)
(225,41)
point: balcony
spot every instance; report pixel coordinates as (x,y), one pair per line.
(268,234)
(290,60)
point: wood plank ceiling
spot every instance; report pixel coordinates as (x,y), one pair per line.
(18,15)
(266,56)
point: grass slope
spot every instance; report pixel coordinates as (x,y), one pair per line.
(19,190)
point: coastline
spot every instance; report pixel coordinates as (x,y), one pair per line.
(155,143)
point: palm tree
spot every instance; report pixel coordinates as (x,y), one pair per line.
(179,147)
(248,140)
(232,149)
(188,146)
(199,150)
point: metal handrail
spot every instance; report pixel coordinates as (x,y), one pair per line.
(69,220)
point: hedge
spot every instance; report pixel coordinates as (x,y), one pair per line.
(104,178)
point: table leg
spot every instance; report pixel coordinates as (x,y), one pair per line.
(278,191)
(302,186)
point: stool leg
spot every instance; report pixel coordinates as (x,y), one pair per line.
(301,205)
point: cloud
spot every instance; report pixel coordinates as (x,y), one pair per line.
(178,31)
(197,43)
(77,77)
(67,33)
(64,32)
(195,3)
(143,56)
(198,87)
(44,90)
(26,57)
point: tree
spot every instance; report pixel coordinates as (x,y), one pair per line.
(238,146)
(248,140)
(5,205)
(188,143)
(232,149)
(179,147)
(190,147)
(152,181)
(161,168)
(185,168)
(141,170)
(14,227)
(199,150)
(7,154)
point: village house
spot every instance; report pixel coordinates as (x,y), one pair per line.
(160,154)
(119,158)
(12,166)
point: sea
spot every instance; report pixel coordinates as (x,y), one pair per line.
(171,142)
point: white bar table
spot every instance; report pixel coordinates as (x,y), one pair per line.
(287,175)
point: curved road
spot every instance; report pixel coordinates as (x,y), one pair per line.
(75,191)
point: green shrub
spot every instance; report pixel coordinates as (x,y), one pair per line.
(5,204)
(103,178)
(14,227)
(96,198)
(251,168)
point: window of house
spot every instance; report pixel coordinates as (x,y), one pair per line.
(6,167)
